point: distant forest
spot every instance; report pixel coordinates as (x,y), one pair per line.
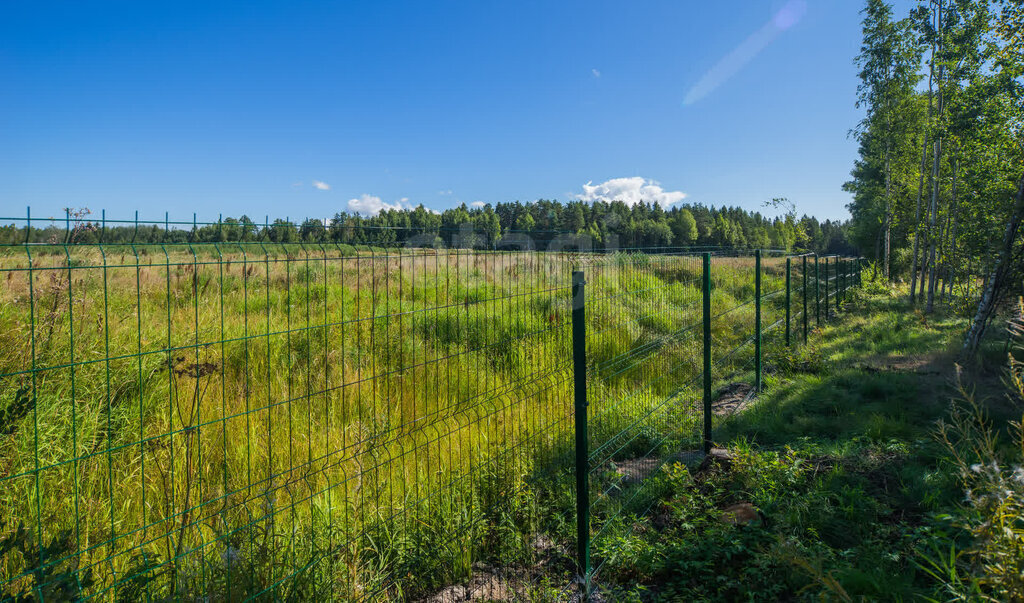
(599,225)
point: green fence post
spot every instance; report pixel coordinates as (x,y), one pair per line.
(579,362)
(835,288)
(826,288)
(817,292)
(805,297)
(707,352)
(838,297)
(843,264)
(789,268)
(757,320)
(841,278)
(839,283)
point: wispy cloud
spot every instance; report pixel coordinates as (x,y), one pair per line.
(731,63)
(321,185)
(445,192)
(595,73)
(371,205)
(630,191)
(477,204)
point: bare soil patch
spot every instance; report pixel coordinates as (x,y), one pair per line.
(485,585)
(733,398)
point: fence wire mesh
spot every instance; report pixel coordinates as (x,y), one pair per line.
(370,419)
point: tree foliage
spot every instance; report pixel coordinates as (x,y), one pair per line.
(598,225)
(940,168)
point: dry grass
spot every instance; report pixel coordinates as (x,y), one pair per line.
(244,417)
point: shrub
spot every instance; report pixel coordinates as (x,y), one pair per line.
(992,477)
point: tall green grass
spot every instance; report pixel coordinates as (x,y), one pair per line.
(242,420)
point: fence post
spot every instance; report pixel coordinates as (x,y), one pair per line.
(839,283)
(843,264)
(835,288)
(579,362)
(846,278)
(805,298)
(838,288)
(789,267)
(826,288)
(817,292)
(757,320)
(707,352)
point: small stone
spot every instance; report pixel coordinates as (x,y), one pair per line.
(719,457)
(740,514)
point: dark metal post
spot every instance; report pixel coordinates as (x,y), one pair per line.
(817,292)
(757,320)
(841,278)
(789,269)
(805,297)
(835,288)
(846,278)
(579,361)
(826,288)
(840,281)
(707,352)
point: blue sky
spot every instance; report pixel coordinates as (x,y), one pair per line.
(234,108)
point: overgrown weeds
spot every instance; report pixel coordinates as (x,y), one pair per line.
(988,460)
(264,419)
(855,497)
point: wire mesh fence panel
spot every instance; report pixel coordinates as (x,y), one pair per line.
(274,420)
(644,358)
(733,309)
(269,412)
(773,310)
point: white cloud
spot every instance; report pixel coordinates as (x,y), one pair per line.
(321,185)
(445,192)
(477,204)
(630,191)
(371,205)
(595,73)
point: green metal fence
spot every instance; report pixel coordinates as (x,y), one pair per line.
(724,318)
(358,415)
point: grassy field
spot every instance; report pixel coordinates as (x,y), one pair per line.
(241,420)
(847,460)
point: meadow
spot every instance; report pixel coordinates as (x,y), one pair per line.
(244,420)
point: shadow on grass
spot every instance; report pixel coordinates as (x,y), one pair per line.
(839,457)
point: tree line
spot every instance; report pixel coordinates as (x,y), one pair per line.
(598,225)
(938,188)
